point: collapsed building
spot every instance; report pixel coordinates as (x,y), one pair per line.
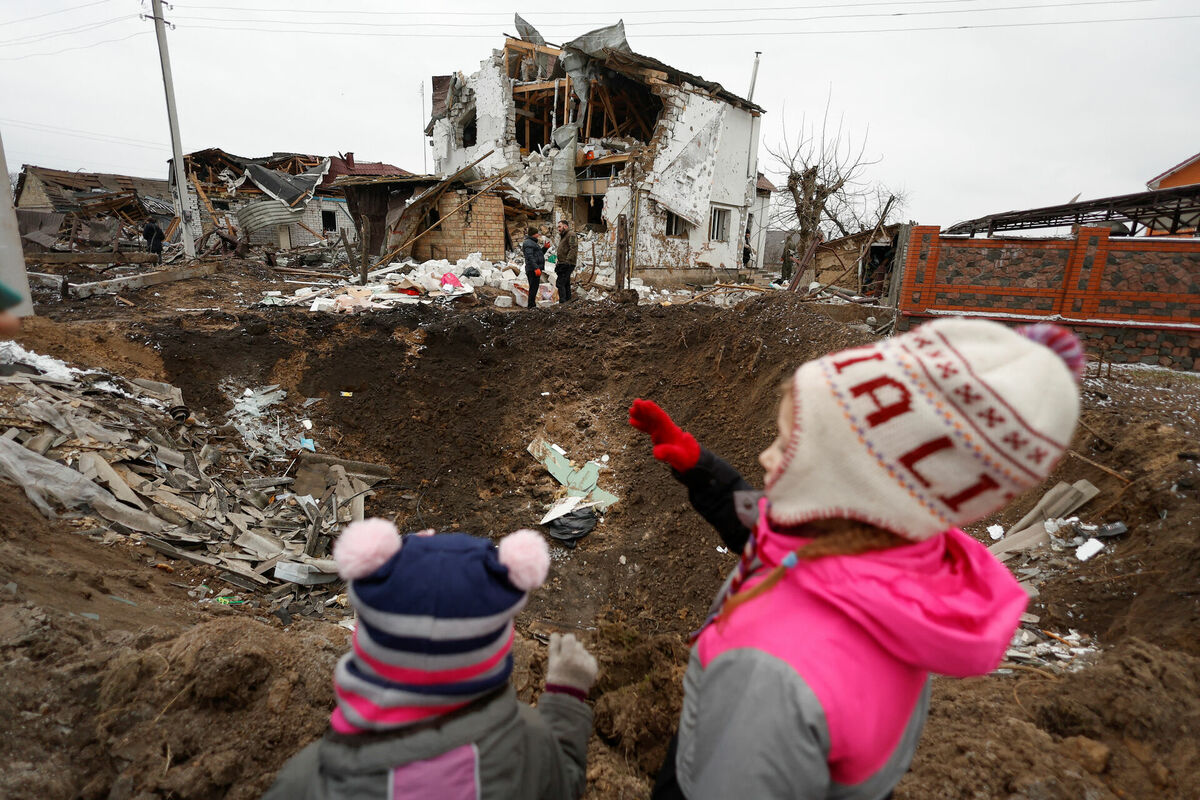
(283,200)
(59,209)
(655,166)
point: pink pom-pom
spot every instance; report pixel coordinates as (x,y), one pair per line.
(1061,340)
(527,557)
(365,547)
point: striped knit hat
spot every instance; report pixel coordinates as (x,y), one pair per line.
(435,620)
(929,430)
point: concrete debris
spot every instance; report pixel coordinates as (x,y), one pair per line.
(1033,647)
(1031,531)
(237,495)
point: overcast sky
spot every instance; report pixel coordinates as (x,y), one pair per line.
(968,121)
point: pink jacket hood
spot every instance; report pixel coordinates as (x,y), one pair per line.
(944,605)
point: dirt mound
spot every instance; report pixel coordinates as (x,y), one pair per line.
(211,713)
(1124,728)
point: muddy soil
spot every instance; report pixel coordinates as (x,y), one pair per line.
(173,698)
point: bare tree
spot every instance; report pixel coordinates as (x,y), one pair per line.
(13,177)
(825,194)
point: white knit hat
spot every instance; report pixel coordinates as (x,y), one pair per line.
(929,430)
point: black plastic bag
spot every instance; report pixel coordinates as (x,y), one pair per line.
(570,528)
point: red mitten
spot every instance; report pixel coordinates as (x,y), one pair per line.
(671,443)
(537,272)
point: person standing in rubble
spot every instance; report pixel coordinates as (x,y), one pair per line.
(153,234)
(568,252)
(535,261)
(810,678)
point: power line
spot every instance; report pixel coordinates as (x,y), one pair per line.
(41,37)
(741,20)
(504,15)
(76,131)
(101,139)
(52,13)
(59,158)
(72,49)
(716,35)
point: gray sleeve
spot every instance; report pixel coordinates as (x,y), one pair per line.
(570,723)
(297,777)
(758,731)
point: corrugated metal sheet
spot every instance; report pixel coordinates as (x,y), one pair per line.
(254,217)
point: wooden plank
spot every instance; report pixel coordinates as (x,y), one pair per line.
(520,44)
(91,258)
(140,281)
(522,88)
(310,230)
(608,109)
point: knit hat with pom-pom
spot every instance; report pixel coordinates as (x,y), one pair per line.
(435,620)
(932,429)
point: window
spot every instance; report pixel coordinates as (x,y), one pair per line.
(675,225)
(595,213)
(220,205)
(718,225)
(432,217)
(329,220)
(470,130)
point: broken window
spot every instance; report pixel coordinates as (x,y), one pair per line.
(718,225)
(432,217)
(675,225)
(470,129)
(220,205)
(595,214)
(329,220)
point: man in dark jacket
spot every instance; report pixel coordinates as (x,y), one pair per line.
(153,234)
(535,261)
(568,251)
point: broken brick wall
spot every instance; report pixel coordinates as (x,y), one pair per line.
(1131,299)
(476,228)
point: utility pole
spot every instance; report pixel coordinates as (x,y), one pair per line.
(12,258)
(160,30)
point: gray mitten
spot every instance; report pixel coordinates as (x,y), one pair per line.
(571,666)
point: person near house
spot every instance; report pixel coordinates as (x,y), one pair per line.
(568,252)
(789,260)
(810,676)
(425,708)
(747,250)
(535,261)
(153,234)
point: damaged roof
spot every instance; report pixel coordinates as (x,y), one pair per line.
(620,61)
(348,165)
(765,185)
(65,188)
(1170,211)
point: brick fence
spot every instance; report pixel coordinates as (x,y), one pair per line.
(1129,299)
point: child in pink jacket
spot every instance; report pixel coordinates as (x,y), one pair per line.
(810,678)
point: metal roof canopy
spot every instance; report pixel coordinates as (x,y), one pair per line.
(1165,211)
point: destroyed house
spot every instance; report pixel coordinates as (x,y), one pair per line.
(283,200)
(56,207)
(658,165)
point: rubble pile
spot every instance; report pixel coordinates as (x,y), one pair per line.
(248,497)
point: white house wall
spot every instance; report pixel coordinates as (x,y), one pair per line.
(489,93)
